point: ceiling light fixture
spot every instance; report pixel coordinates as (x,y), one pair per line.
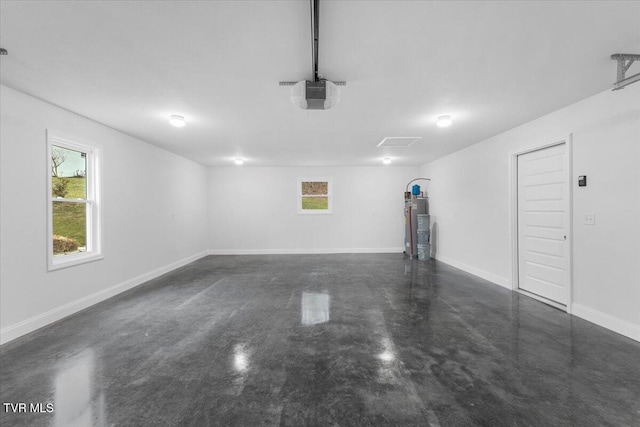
(386,160)
(238,160)
(177,121)
(444,121)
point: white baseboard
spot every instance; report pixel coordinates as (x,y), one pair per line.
(398,249)
(29,325)
(607,321)
(498,280)
(12,332)
(620,326)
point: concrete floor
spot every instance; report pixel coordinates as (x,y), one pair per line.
(322,340)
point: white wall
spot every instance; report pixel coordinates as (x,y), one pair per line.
(163,211)
(470,204)
(253,210)
(154,207)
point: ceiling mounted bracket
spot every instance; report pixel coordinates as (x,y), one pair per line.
(294,83)
(624,62)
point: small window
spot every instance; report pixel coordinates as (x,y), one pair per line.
(74,205)
(314,196)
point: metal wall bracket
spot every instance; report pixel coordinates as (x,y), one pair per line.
(294,83)
(624,62)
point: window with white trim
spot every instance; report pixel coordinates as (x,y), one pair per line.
(73,202)
(315,196)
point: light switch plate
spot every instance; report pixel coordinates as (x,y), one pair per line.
(589,219)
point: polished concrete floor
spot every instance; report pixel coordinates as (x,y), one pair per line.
(321,340)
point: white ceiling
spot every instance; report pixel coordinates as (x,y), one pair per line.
(491,65)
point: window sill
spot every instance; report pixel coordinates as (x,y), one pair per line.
(314,212)
(64,261)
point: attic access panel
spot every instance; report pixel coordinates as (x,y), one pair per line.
(399,141)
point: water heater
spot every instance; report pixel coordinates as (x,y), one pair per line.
(417,223)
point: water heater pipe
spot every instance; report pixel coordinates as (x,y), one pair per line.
(414,180)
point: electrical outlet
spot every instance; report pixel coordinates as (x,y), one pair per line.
(589,219)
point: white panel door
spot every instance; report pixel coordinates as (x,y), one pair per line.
(543,223)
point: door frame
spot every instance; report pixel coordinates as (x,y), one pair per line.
(513,203)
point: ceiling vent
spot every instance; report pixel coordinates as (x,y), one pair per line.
(399,141)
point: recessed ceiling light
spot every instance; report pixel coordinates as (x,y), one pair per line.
(177,121)
(238,160)
(386,160)
(444,121)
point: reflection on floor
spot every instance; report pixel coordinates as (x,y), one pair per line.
(367,339)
